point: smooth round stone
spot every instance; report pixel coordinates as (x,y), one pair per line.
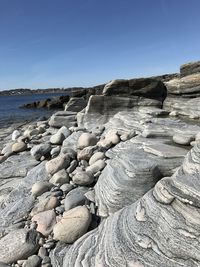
(66,188)
(57,164)
(40,150)
(19,147)
(83,178)
(42,252)
(45,221)
(86,139)
(73,225)
(40,187)
(48,203)
(65,131)
(55,151)
(32,261)
(75,198)
(112,137)
(61,177)
(182,139)
(57,138)
(96,167)
(71,153)
(15,135)
(72,166)
(31,132)
(96,156)
(86,153)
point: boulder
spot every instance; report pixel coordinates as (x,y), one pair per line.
(17,245)
(76,104)
(63,118)
(73,225)
(190,68)
(183,139)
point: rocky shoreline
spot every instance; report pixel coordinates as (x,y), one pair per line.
(113,180)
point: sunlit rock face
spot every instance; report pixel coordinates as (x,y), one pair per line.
(160,229)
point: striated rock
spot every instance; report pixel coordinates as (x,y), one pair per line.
(145,87)
(63,118)
(61,177)
(83,178)
(22,242)
(57,164)
(190,68)
(19,147)
(40,187)
(86,139)
(73,225)
(40,150)
(76,104)
(45,221)
(160,229)
(75,198)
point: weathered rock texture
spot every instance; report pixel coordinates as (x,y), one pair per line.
(160,229)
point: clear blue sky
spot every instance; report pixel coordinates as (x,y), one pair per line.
(61,43)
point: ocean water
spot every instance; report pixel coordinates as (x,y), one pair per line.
(11,113)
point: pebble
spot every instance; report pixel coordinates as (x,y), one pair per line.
(66,188)
(73,225)
(15,135)
(75,198)
(96,156)
(42,252)
(86,139)
(96,167)
(32,261)
(57,164)
(40,187)
(83,178)
(72,166)
(86,153)
(45,204)
(45,221)
(183,139)
(19,147)
(55,151)
(57,138)
(61,177)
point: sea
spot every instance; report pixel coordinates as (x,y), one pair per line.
(10,111)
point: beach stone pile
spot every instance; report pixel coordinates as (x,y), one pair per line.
(113,185)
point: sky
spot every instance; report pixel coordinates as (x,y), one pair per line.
(65,43)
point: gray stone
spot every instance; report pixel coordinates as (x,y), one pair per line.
(183,139)
(95,157)
(75,198)
(57,138)
(73,225)
(32,261)
(60,177)
(40,187)
(19,147)
(57,164)
(22,242)
(95,167)
(86,153)
(40,150)
(83,178)
(86,139)
(48,203)
(66,188)
(63,118)
(45,221)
